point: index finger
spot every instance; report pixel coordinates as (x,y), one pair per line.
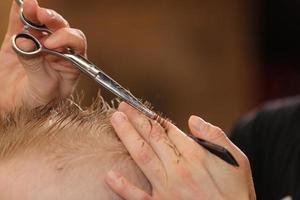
(139,149)
(215,135)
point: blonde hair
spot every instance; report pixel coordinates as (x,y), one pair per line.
(61,131)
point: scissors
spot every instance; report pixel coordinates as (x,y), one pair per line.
(92,71)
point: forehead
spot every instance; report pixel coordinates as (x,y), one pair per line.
(35,179)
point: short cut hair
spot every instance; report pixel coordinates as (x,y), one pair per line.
(63,130)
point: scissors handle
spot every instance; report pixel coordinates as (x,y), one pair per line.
(86,67)
(19,2)
(29,24)
(37,50)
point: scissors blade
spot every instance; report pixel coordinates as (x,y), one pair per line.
(124,94)
(109,83)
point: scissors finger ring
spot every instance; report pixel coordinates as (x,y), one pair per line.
(20,2)
(38,48)
(28,24)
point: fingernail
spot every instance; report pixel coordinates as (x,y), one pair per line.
(118,117)
(115,177)
(197,123)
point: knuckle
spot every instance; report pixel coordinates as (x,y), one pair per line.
(57,18)
(54,15)
(62,34)
(214,132)
(144,125)
(32,65)
(143,155)
(206,127)
(81,34)
(123,187)
(217,133)
(81,38)
(244,160)
(184,175)
(196,154)
(217,129)
(65,22)
(157,133)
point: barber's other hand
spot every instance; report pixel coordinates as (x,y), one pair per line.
(37,81)
(175,165)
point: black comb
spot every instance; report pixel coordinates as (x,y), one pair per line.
(217,150)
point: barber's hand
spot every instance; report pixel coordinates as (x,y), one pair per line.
(37,81)
(175,165)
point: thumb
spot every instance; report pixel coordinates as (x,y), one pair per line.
(41,84)
(215,135)
(41,87)
(32,65)
(207,131)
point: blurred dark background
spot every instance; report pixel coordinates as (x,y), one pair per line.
(217,59)
(279,31)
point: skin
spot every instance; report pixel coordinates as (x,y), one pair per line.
(176,166)
(34,176)
(37,81)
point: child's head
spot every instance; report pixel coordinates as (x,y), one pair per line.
(62,152)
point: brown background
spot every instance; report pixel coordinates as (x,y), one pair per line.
(185,57)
